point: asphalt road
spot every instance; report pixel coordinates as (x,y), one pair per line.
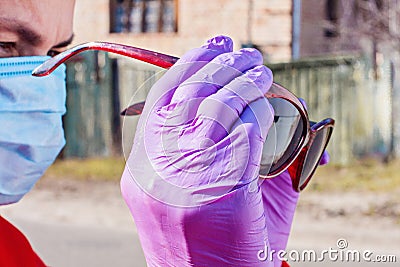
(88,225)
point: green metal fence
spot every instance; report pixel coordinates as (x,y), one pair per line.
(88,121)
(351,91)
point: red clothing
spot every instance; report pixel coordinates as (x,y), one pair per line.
(15,250)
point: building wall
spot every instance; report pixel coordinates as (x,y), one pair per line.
(312,39)
(197,21)
(314,23)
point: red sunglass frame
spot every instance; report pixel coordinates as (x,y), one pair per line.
(296,168)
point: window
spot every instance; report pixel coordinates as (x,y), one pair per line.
(141,16)
(332,15)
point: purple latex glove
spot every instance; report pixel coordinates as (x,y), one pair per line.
(191,181)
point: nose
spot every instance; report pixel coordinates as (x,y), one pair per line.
(40,51)
(34,50)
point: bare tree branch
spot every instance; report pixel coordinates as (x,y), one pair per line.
(376,20)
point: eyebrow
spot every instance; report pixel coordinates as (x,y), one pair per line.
(23,31)
(65,43)
(29,35)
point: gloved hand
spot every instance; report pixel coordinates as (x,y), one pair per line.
(191,180)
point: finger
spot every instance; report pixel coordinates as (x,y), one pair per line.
(225,106)
(253,125)
(280,201)
(325,158)
(161,92)
(208,80)
(219,72)
(303,102)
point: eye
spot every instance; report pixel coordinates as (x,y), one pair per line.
(53,53)
(8,49)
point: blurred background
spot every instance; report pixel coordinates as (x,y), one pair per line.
(342,56)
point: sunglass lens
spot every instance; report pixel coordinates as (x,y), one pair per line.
(313,155)
(283,137)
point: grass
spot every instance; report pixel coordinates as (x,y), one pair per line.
(369,175)
(366,175)
(100,169)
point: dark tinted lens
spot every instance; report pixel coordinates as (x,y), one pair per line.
(314,154)
(283,137)
(267,157)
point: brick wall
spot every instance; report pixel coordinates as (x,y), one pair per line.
(197,21)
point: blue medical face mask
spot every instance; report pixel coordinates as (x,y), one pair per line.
(31,133)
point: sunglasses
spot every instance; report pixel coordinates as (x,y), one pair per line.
(292,143)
